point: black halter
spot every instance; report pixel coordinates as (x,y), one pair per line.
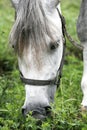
(56,80)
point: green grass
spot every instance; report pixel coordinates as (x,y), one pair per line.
(66,109)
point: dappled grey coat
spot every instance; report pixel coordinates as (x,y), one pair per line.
(82,22)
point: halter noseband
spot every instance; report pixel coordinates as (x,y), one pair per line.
(39,82)
(56,80)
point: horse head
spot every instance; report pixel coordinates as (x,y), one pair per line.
(38,41)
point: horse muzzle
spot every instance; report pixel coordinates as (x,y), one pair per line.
(38,113)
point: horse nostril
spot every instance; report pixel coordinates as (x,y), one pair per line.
(48,110)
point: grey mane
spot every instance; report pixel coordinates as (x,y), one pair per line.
(31,25)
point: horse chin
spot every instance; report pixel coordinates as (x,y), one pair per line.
(35,115)
(39,116)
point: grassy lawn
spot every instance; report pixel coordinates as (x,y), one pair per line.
(66,109)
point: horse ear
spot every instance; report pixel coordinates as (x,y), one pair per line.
(15,3)
(54,3)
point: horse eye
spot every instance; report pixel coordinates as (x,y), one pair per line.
(53,46)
